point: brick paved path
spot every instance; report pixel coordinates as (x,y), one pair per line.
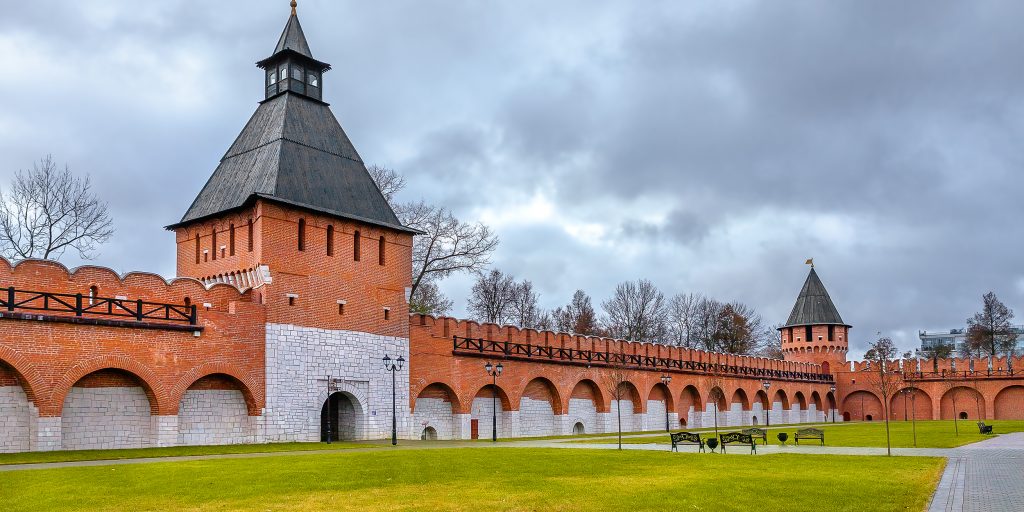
(987,476)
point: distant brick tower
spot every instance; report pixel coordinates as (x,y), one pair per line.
(815,333)
(292,214)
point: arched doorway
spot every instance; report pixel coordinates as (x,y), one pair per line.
(341,418)
(429,434)
(578,428)
(963,415)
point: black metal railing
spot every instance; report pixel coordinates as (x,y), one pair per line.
(512,350)
(961,374)
(14,300)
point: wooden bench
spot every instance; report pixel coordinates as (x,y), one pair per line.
(737,437)
(810,433)
(983,428)
(686,438)
(757,433)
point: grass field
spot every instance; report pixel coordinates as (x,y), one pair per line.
(509,479)
(177,451)
(930,434)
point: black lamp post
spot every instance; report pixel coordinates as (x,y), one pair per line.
(494,372)
(767,413)
(393,367)
(832,388)
(666,379)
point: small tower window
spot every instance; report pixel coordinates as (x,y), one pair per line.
(380,252)
(330,240)
(387,313)
(213,244)
(302,234)
(231,240)
(272,77)
(198,250)
(311,77)
(93,293)
(355,246)
(250,235)
(831,332)
(284,73)
(807,333)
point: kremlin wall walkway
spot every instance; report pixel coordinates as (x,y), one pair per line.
(987,476)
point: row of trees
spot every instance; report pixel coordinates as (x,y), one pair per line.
(636,311)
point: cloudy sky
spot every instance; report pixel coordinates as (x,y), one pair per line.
(708,146)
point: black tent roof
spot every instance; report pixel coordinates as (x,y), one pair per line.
(294,151)
(814,306)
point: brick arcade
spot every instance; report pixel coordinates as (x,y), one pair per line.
(293,285)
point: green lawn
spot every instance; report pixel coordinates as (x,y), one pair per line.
(486,479)
(930,434)
(74,455)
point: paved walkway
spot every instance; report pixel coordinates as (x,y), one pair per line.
(987,476)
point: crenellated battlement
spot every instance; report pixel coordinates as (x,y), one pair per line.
(447,327)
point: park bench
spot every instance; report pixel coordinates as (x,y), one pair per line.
(737,437)
(757,433)
(983,428)
(686,438)
(810,433)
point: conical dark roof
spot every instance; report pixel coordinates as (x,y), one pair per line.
(814,306)
(293,150)
(293,39)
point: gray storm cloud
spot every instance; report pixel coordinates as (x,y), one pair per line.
(709,147)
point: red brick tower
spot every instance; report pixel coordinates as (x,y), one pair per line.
(815,333)
(292,213)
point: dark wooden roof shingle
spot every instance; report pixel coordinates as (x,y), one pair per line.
(813,305)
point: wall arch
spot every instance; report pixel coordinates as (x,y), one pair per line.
(156,393)
(816,401)
(106,409)
(800,400)
(661,392)
(490,401)
(16,415)
(862,404)
(30,381)
(689,401)
(538,405)
(915,404)
(740,397)
(540,385)
(780,396)
(967,400)
(1009,403)
(251,391)
(585,401)
(215,409)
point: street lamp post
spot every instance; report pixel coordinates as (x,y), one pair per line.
(767,413)
(494,372)
(666,379)
(393,367)
(832,388)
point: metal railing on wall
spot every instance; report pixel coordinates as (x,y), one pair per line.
(526,351)
(67,304)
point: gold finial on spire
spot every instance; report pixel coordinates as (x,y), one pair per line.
(294,5)
(810,262)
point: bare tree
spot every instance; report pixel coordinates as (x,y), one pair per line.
(951,386)
(770,345)
(491,297)
(883,378)
(388,181)
(636,312)
(716,395)
(446,245)
(989,332)
(578,316)
(615,380)
(429,300)
(706,321)
(524,309)
(47,211)
(681,319)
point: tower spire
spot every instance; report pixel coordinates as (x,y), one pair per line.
(294,5)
